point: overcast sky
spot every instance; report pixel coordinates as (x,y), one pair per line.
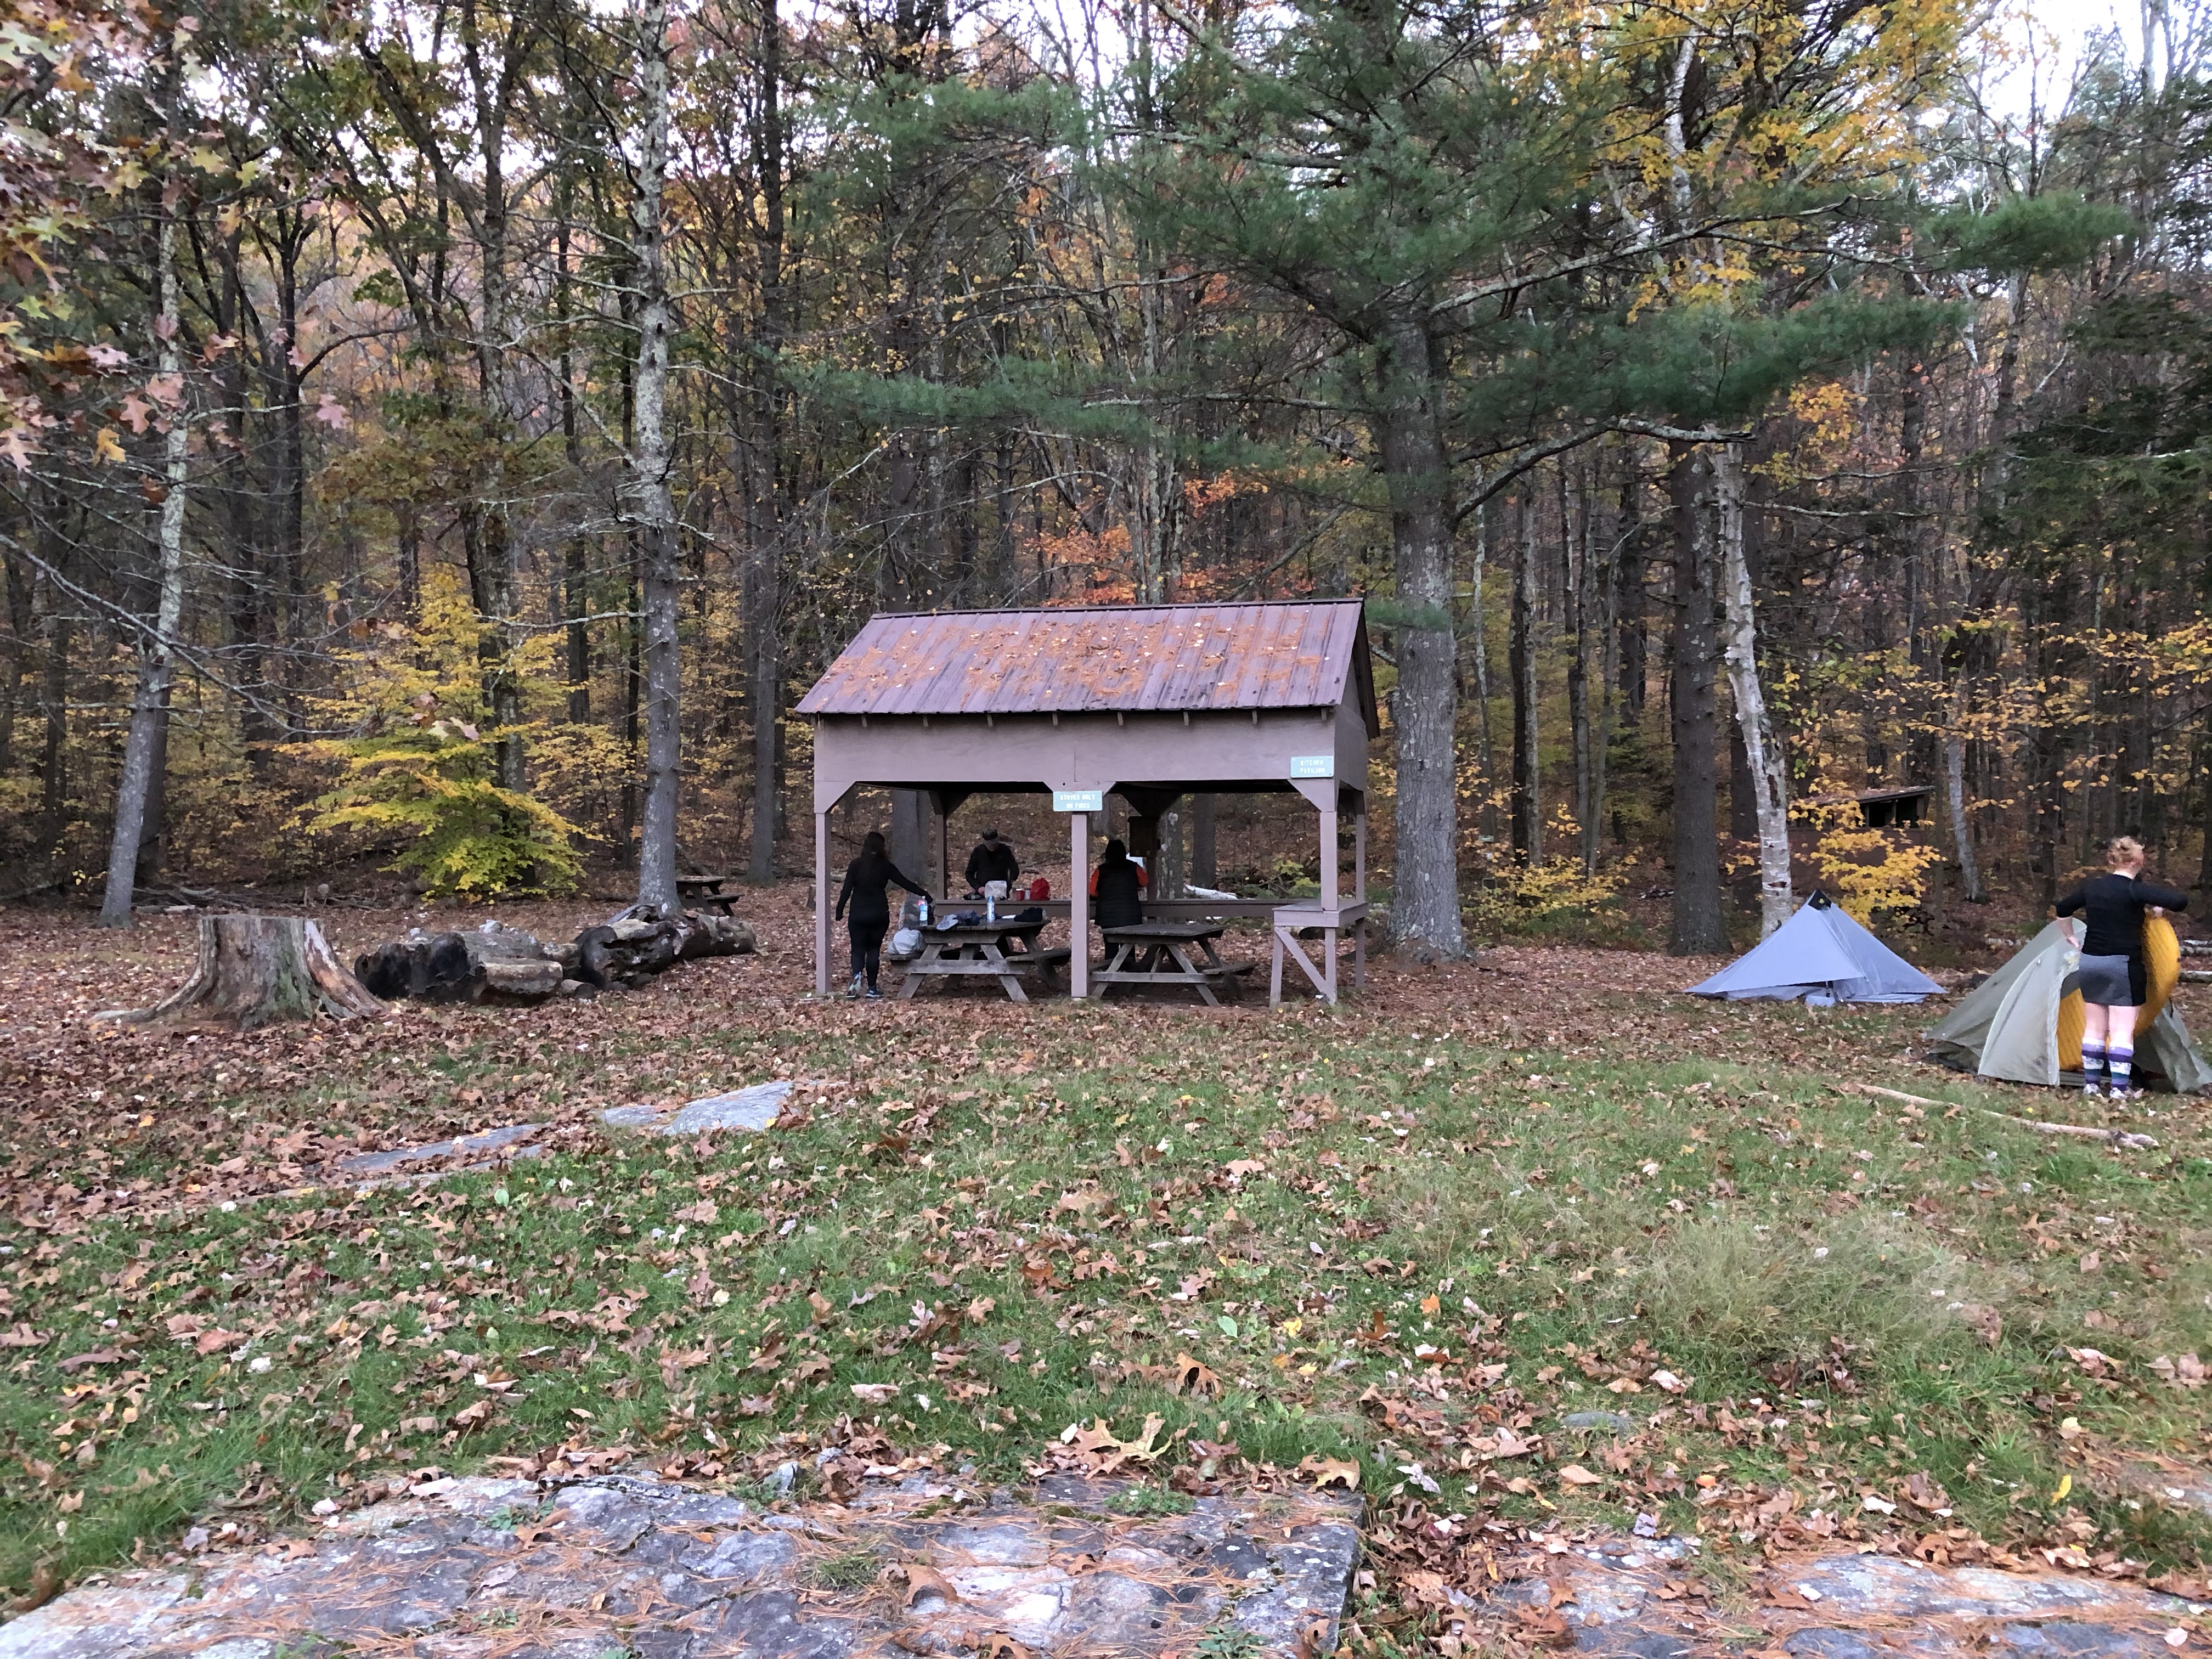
(2045,48)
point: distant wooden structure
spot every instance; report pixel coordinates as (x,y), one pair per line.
(1150,703)
(1906,807)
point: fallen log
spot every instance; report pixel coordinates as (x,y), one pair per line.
(253,970)
(491,963)
(498,964)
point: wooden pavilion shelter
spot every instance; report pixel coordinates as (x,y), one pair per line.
(1150,702)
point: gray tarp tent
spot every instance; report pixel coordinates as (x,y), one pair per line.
(1820,949)
(2007,1027)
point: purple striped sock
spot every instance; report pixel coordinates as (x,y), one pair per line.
(2093,1065)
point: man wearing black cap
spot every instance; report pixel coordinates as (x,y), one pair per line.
(992,860)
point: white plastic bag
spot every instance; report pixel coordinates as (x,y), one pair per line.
(905,943)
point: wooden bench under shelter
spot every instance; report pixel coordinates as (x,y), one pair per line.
(1150,703)
(1158,953)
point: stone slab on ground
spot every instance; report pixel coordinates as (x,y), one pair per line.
(368,1166)
(471,1569)
(751,1110)
(1635,1598)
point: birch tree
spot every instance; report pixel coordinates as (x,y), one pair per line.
(1769,779)
(649,501)
(144,748)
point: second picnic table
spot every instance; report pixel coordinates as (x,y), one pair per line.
(1158,953)
(969,949)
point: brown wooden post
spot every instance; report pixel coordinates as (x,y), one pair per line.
(1329,856)
(1360,851)
(1079,905)
(821,901)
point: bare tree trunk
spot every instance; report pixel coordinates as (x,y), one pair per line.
(157,653)
(1698,927)
(53,753)
(1424,903)
(17,575)
(576,588)
(1156,498)
(1527,807)
(2201,765)
(1762,753)
(765,526)
(910,838)
(1480,629)
(1608,666)
(1574,547)
(1204,869)
(153,838)
(1173,871)
(651,504)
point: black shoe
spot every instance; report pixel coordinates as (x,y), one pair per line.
(874,995)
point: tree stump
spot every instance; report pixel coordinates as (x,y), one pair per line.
(254,971)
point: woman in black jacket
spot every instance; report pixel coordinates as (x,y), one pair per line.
(1118,884)
(868,881)
(2112,967)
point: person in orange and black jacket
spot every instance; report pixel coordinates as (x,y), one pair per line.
(1118,884)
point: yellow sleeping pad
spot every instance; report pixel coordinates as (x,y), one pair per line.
(2161,968)
(2072,1019)
(2161,973)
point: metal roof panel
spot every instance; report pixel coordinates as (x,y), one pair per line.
(1283,654)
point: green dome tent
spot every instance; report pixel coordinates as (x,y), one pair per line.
(2007,1027)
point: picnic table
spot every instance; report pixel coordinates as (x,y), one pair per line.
(1159,953)
(704,890)
(969,949)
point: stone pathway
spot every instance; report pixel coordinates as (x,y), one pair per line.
(627,1566)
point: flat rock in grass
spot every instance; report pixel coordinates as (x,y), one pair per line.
(2066,1640)
(1630,1598)
(370,1166)
(750,1110)
(1883,1587)
(645,1566)
(1618,1422)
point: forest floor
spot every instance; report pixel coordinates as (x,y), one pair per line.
(1537,1239)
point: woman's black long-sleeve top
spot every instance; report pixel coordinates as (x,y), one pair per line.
(868,881)
(2115,904)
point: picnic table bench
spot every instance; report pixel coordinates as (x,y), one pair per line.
(1159,953)
(704,890)
(972,949)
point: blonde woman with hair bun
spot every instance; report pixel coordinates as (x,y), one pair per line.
(2114,973)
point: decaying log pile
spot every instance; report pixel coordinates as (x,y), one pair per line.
(496,964)
(253,970)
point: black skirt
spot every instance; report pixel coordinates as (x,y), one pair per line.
(2112,982)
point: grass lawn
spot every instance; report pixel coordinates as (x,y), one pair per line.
(1418,1235)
